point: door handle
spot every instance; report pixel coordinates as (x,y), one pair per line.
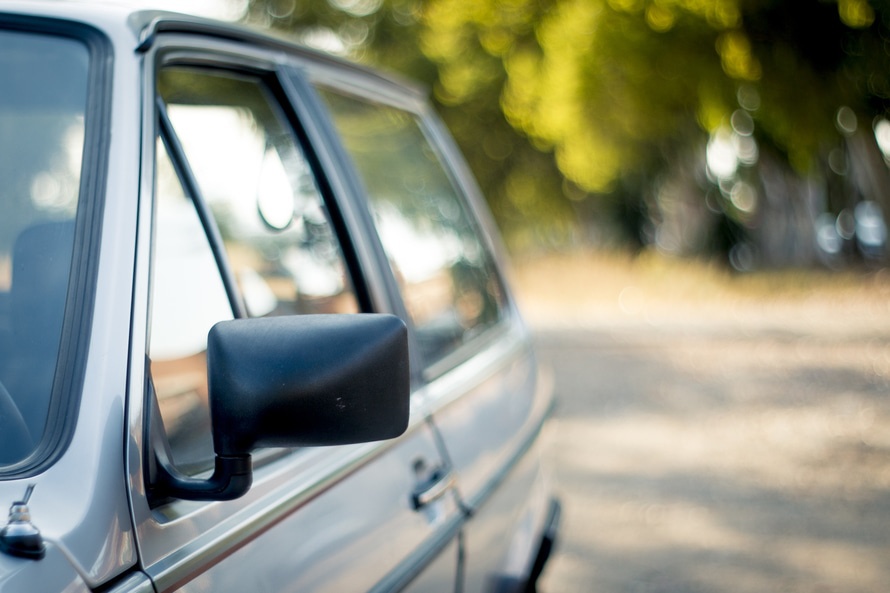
(434,487)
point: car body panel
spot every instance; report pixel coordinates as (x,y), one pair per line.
(320,519)
(487,400)
(307,525)
(53,573)
(284,528)
(489,413)
(78,502)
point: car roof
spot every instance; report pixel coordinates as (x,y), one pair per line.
(146,25)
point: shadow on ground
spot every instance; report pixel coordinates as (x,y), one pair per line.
(720,460)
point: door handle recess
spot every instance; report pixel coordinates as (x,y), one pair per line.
(439,482)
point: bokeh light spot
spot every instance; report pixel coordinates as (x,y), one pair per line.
(744,197)
(742,122)
(856,13)
(846,121)
(882,136)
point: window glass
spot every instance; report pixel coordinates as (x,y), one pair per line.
(265,202)
(447,277)
(262,193)
(43,96)
(188,296)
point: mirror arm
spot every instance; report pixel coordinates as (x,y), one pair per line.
(232,474)
(231,478)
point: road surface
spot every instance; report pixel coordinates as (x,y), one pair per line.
(721,458)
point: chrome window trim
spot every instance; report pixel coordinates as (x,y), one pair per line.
(134,582)
(491,352)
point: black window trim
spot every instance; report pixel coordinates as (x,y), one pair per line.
(306,97)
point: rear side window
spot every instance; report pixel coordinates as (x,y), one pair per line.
(448,278)
(43,99)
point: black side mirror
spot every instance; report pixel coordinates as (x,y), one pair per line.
(307,380)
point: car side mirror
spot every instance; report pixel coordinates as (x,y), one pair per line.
(295,381)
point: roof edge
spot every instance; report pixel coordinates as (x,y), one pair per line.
(147,24)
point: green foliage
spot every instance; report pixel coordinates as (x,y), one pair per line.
(555,101)
(464,71)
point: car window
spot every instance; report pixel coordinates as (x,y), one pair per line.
(43,96)
(188,296)
(446,274)
(267,210)
(262,192)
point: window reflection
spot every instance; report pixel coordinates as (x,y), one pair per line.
(188,297)
(447,277)
(262,192)
(265,202)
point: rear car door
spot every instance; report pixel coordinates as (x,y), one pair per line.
(244,215)
(480,379)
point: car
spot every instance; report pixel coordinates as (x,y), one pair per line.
(256,330)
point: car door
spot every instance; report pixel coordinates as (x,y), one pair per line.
(481,382)
(243,215)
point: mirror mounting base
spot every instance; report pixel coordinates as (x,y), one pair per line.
(231,478)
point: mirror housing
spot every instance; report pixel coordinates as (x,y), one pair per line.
(295,381)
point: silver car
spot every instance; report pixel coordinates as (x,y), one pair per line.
(255,333)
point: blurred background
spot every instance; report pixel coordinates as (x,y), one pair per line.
(748,133)
(695,195)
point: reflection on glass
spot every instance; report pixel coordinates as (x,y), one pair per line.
(43,97)
(447,276)
(262,192)
(188,297)
(264,200)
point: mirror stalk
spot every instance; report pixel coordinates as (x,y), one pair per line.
(231,478)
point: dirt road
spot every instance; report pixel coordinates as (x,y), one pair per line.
(721,457)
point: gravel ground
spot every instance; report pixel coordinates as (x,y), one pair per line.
(747,451)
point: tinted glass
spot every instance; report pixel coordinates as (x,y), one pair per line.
(447,277)
(43,95)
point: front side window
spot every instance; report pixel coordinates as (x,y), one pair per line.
(264,207)
(43,98)
(188,297)
(447,276)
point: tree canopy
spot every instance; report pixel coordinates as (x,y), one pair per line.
(728,121)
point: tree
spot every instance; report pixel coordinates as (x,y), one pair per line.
(720,112)
(521,182)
